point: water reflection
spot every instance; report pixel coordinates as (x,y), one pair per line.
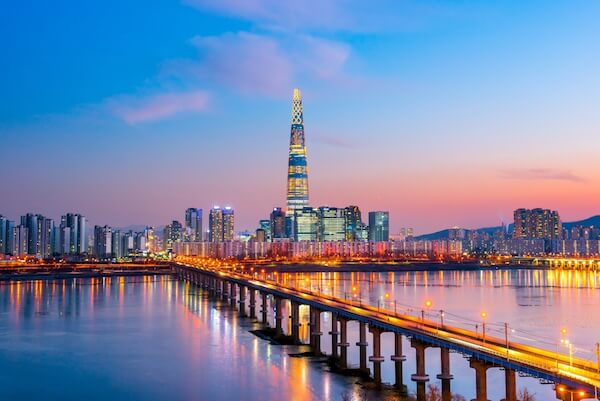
(148,338)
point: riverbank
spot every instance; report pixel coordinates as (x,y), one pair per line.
(41,272)
(389,267)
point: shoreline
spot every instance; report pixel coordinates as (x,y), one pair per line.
(69,272)
(385,268)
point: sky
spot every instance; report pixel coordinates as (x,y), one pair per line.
(445,113)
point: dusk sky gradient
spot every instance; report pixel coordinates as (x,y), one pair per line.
(442,112)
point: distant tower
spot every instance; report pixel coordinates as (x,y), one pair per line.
(297,184)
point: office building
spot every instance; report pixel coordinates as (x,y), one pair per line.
(353,221)
(332,224)
(277,223)
(306,224)
(379,226)
(215,224)
(193,224)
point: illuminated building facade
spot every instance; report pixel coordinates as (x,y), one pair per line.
(332,224)
(353,222)
(297,182)
(536,224)
(228,224)
(379,226)
(193,224)
(277,223)
(306,224)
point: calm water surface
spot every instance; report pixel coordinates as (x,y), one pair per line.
(154,338)
(147,338)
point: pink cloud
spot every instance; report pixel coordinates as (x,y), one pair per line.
(135,110)
(248,62)
(541,174)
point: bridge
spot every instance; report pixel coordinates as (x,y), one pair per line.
(574,379)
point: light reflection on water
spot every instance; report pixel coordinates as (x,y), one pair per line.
(154,338)
(149,338)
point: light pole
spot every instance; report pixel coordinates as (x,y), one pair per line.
(483,317)
(441,318)
(428,304)
(507,343)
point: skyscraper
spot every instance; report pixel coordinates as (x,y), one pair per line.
(332,224)
(193,224)
(353,222)
(297,183)
(215,224)
(277,223)
(228,224)
(73,233)
(379,226)
(306,224)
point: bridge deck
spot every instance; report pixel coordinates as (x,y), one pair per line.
(537,362)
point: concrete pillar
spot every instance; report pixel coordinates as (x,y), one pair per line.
(421,377)
(264,307)
(511,385)
(224,291)
(376,358)
(315,330)
(334,335)
(252,303)
(232,295)
(295,316)
(343,343)
(398,359)
(480,379)
(242,300)
(445,376)
(278,316)
(362,344)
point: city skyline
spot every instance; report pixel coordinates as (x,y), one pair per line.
(444,121)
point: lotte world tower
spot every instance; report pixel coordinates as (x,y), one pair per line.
(297,183)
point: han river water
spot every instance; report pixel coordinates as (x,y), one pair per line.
(156,338)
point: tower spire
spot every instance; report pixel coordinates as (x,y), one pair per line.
(297,183)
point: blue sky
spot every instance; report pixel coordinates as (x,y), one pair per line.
(443,112)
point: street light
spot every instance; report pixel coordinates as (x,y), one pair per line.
(428,305)
(483,317)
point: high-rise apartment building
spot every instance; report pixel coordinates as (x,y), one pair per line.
(536,224)
(20,240)
(228,224)
(193,224)
(73,232)
(172,233)
(379,226)
(215,224)
(297,181)
(265,225)
(103,241)
(332,224)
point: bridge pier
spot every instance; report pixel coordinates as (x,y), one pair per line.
(398,359)
(510,379)
(263,309)
(445,376)
(252,303)
(343,342)
(242,300)
(480,379)
(376,358)
(295,316)
(278,317)
(225,291)
(232,295)
(421,377)
(362,344)
(315,330)
(334,335)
